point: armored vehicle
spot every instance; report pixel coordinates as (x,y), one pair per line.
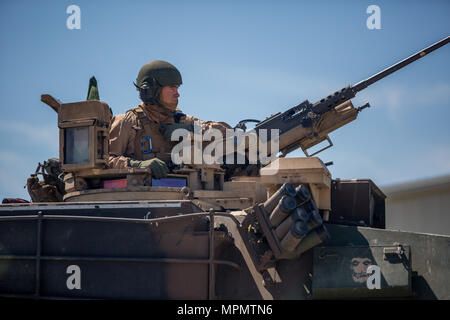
(280,230)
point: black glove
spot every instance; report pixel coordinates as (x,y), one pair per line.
(167,129)
(158,167)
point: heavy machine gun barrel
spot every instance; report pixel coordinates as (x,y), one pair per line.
(380,75)
(349,92)
(308,124)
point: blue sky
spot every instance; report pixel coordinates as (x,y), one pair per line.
(239,59)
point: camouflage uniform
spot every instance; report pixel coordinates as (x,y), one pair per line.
(136,134)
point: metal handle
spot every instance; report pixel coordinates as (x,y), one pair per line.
(330,144)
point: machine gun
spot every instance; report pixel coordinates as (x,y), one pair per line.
(308,124)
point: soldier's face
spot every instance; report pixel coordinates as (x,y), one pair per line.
(169,96)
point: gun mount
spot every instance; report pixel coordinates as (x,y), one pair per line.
(308,124)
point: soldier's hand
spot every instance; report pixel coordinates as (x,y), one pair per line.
(158,167)
(168,129)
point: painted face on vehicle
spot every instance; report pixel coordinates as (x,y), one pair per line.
(359,267)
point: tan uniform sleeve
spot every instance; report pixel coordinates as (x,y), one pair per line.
(206,125)
(222,126)
(121,140)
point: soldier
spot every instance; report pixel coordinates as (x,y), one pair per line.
(141,137)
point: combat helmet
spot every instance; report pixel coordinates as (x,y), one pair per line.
(153,76)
